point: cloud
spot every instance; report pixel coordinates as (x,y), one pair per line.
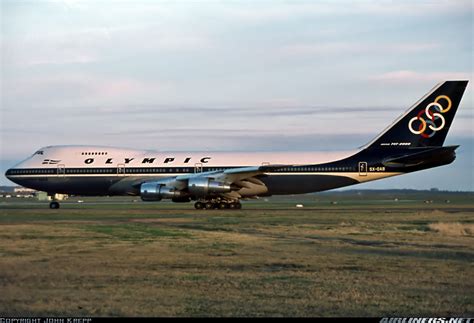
(53,49)
(269,12)
(408,7)
(407,76)
(63,88)
(100,44)
(331,48)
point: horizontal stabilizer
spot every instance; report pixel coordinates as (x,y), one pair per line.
(422,156)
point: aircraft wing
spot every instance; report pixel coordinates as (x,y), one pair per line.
(232,175)
(243,180)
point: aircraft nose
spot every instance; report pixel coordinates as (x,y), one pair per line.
(10,175)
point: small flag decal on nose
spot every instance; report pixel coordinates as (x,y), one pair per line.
(50,161)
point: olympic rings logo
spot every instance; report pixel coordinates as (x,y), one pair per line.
(433,113)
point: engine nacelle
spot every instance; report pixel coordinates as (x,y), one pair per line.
(201,186)
(157,191)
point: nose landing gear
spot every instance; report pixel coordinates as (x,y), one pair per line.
(54,205)
(54,198)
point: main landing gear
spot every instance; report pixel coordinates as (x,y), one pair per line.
(221,205)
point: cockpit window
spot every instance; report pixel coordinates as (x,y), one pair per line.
(39,152)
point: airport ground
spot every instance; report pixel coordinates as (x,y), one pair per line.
(364,254)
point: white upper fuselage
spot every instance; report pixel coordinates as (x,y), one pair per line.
(96,156)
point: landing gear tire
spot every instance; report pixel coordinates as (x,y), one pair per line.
(217,204)
(223,205)
(199,205)
(235,206)
(54,205)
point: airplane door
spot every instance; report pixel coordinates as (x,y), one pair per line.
(121,169)
(362,168)
(61,170)
(197,168)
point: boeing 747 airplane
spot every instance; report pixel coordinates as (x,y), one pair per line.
(220,180)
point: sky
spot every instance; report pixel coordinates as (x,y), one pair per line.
(230,75)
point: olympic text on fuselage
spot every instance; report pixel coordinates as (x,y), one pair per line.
(154,160)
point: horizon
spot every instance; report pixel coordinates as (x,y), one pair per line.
(336,190)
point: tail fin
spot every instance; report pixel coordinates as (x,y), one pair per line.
(427,122)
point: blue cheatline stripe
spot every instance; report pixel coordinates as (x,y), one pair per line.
(163,170)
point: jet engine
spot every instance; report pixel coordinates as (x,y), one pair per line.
(202,186)
(154,191)
(198,186)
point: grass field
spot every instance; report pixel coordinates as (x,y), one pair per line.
(359,257)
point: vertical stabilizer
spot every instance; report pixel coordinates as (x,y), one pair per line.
(427,122)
